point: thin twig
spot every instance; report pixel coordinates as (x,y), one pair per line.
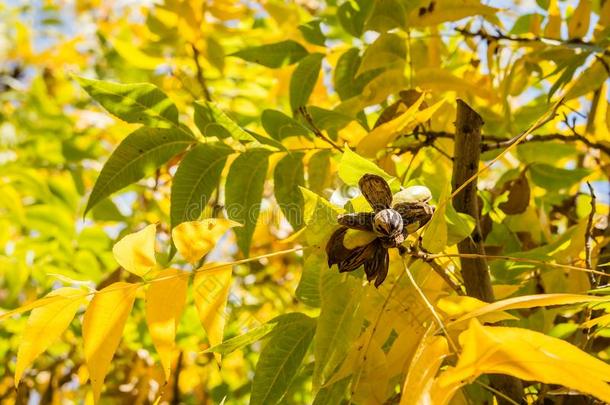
(519,260)
(495,391)
(588,238)
(176,390)
(48,300)
(487,146)
(492,142)
(499,36)
(200,76)
(373,330)
(442,152)
(428,304)
(406,172)
(594,280)
(303,111)
(424,257)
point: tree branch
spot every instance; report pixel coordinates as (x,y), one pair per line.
(492,142)
(500,36)
(438,269)
(546,138)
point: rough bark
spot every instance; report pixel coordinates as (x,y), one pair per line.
(475,270)
(465,165)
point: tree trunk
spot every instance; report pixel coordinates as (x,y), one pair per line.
(475,270)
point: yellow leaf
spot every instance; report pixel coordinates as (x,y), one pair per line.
(579,22)
(600,320)
(372,387)
(387,132)
(409,319)
(440,11)
(424,366)
(381,136)
(211,290)
(354,238)
(455,306)
(135,57)
(527,355)
(387,51)
(441,80)
(374,92)
(603,22)
(165,301)
(45,325)
(49,299)
(196,238)
(502,291)
(103,325)
(529,301)
(553,26)
(136,251)
(378,89)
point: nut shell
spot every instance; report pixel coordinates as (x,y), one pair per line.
(413,194)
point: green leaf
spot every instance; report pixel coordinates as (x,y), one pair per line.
(312,33)
(435,237)
(589,80)
(339,323)
(215,53)
(243,193)
(280,126)
(106,210)
(273,144)
(213,122)
(545,152)
(555,178)
(352,15)
(288,176)
(280,360)
(345,72)
(523,24)
(195,180)
(329,120)
(237,342)
(256,334)
(378,88)
(333,393)
(318,170)
(388,14)
(308,290)
(273,55)
(568,68)
(459,225)
(143,151)
(304,79)
(388,51)
(345,82)
(141,103)
(353,166)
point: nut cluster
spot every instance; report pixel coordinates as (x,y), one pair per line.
(393,218)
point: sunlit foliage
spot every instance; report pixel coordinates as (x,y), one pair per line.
(171,173)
